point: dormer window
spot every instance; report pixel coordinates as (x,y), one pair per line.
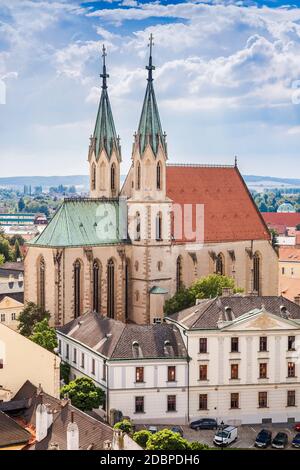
(136,350)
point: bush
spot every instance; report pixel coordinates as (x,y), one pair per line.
(124,425)
(142,437)
(167,440)
(198,446)
(84,394)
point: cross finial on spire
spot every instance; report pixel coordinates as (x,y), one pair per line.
(236,161)
(150,67)
(104,75)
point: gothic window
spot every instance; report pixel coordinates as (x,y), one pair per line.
(102,176)
(159,226)
(96,286)
(138,176)
(113,177)
(158,175)
(111,289)
(179,282)
(220,264)
(41,283)
(93,180)
(77,288)
(137,226)
(127,287)
(256,272)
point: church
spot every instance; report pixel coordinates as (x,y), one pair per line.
(124,250)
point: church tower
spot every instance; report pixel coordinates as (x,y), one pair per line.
(104,150)
(149,211)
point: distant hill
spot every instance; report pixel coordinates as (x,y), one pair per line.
(82,182)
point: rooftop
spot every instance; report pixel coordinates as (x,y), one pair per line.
(115,340)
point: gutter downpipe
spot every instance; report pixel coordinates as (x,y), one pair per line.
(188,376)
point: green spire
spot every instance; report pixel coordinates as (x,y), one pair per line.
(105,136)
(150,129)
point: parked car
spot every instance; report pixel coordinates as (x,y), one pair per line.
(297,427)
(280,440)
(226,436)
(204,423)
(177,429)
(296,440)
(152,429)
(263,438)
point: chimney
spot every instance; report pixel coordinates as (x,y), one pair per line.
(41,422)
(72,434)
(118,440)
(227,291)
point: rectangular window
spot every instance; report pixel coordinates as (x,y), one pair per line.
(203,345)
(104,372)
(3,317)
(263,367)
(13,316)
(234,371)
(93,366)
(203,372)
(67,351)
(74,355)
(291,398)
(171,403)
(203,401)
(263,399)
(1,363)
(234,345)
(291,343)
(59,346)
(82,360)
(139,404)
(282,270)
(234,401)
(291,369)
(171,373)
(139,374)
(263,343)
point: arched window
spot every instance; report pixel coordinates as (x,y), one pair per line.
(127,287)
(41,283)
(256,272)
(137,226)
(159,226)
(77,288)
(158,175)
(102,176)
(220,264)
(179,282)
(138,176)
(111,289)
(96,286)
(93,177)
(113,177)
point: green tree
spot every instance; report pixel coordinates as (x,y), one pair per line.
(5,248)
(167,440)
(21,204)
(204,288)
(30,315)
(65,370)
(44,335)
(84,394)
(142,437)
(17,254)
(2,259)
(125,425)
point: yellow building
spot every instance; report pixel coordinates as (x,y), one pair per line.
(289,272)
(10,310)
(21,359)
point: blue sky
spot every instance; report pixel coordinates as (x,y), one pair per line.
(227,81)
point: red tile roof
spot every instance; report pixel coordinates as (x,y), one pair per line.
(290,219)
(289,253)
(230,213)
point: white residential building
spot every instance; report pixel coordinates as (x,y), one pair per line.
(244,364)
(143,369)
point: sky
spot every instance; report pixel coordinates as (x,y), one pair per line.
(227,81)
